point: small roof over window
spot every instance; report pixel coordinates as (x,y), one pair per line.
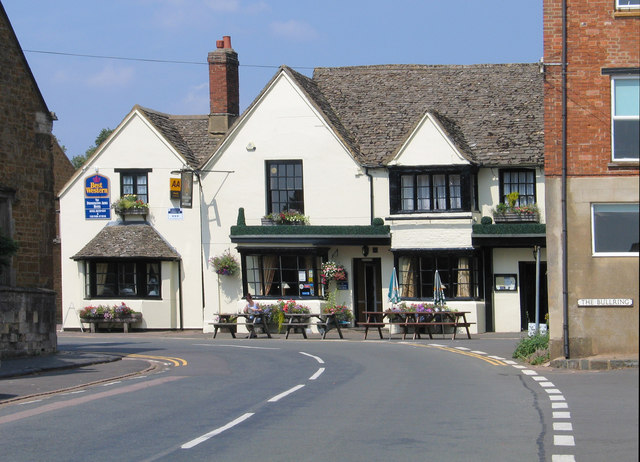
(127,240)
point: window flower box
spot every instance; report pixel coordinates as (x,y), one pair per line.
(514,217)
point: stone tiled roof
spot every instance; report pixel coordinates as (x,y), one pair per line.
(493,112)
(127,240)
(189,134)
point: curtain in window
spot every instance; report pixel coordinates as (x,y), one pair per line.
(463,289)
(269,263)
(424,193)
(455,195)
(407,273)
(440,186)
(101,278)
(406,185)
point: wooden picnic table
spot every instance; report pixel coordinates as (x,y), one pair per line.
(302,321)
(406,319)
(228,321)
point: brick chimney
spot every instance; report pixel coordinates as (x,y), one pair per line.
(224,90)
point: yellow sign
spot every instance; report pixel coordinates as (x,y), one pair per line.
(175,186)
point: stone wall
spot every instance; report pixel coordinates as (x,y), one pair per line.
(27,322)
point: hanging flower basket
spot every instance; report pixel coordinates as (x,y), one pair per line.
(225,264)
(332,271)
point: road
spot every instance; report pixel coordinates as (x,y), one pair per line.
(290,400)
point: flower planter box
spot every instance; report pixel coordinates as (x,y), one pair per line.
(124,322)
(512,217)
(268,222)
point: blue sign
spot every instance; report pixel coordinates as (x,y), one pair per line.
(96,186)
(97,198)
(97,209)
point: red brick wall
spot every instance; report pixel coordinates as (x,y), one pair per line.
(597,38)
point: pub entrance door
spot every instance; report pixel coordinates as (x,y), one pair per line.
(367,291)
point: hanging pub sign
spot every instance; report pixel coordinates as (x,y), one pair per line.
(97,198)
(174,188)
(186,189)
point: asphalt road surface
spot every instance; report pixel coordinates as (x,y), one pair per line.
(292,400)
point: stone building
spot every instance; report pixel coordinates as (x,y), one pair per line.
(27,205)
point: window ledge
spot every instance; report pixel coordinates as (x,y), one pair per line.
(624,164)
(626,13)
(432,216)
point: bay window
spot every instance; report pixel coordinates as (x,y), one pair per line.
(122,279)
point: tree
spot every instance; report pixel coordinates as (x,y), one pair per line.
(78,161)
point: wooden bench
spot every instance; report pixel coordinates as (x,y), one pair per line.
(455,325)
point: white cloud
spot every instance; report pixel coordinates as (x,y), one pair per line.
(111,76)
(293,29)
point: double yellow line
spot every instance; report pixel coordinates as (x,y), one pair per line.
(493,361)
(175,361)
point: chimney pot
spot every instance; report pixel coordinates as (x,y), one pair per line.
(227,41)
(219,43)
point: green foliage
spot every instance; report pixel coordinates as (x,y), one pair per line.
(378,222)
(129,202)
(225,264)
(241,219)
(342,312)
(533,350)
(287,217)
(486,221)
(8,248)
(512,198)
(78,161)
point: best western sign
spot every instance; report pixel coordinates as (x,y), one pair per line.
(97,200)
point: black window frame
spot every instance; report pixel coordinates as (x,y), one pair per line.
(284,201)
(447,262)
(524,198)
(467,190)
(283,273)
(135,173)
(118,273)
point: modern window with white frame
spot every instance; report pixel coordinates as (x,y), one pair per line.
(625,117)
(627,4)
(614,229)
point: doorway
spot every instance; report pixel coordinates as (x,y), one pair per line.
(367,291)
(528,293)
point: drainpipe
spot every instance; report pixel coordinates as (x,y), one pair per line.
(180,294)
(366,172)
(565,290)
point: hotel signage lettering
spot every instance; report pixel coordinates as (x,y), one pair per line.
(97,198)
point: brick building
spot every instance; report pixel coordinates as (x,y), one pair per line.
(591,168)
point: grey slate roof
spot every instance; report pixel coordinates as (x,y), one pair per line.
(189,134)
(127,240)
(493,112)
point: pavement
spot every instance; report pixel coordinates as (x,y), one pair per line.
(21,378)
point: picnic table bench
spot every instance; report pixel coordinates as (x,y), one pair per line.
(455,319)
(228,321)
(301,322)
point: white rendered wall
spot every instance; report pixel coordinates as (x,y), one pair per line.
(281,126)
(506,305)
(135,145)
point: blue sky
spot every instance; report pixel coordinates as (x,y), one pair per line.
(89,94)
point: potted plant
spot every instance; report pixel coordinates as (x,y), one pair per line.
(510,212)
(129,204)
(332,271)
(225,264)
(287,217)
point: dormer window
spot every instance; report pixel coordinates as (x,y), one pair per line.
(418,190)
